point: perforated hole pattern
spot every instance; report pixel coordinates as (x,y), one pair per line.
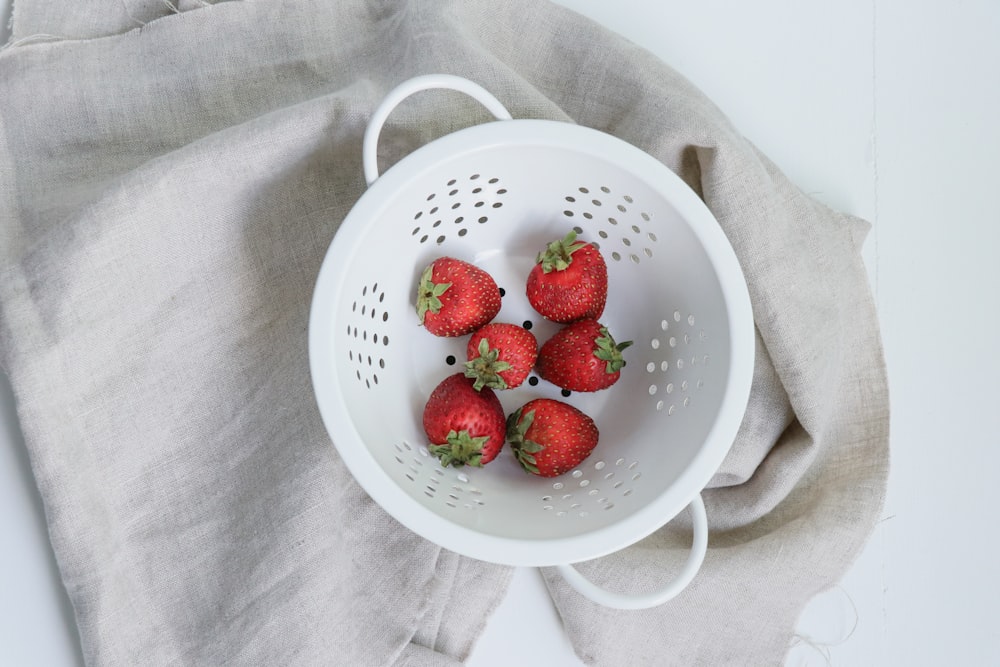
(616,220)
(444,213)
(594,486)
(366,328)
(680,356)
(452,487)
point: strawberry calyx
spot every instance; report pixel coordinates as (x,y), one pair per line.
(558,254)
(460,449)
(485,369)
(609,351)
(429,293)
(523,448)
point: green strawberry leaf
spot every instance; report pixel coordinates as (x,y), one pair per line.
(460,449)
(531,447)
(609,351)
(523,448)
(530,466)
(429,293)
(486,368)
(516,428)
(557,255)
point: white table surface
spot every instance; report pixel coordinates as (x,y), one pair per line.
(889,112)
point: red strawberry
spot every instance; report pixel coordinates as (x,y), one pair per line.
(500,355)
(464,426)
(581,356)
(550,437)
(455,298)
(569,281)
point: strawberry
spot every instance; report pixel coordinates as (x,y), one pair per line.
(550,437)
(569,281)
(500,356)
(455,298)
(464,426)
(581,356)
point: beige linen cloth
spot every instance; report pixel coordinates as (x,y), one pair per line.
(170,178)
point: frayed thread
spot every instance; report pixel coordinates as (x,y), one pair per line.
(823,647)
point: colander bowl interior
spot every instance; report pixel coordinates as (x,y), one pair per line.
(494,195)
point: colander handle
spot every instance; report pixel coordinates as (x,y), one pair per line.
(656,598)
(409,87)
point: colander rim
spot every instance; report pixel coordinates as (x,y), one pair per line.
(543,551)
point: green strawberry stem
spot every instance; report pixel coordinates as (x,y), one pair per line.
(460,449)
(524,449)
(486,368)
(557,255)
(607,350)
(429,293)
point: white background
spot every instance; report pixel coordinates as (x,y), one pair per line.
(888,111)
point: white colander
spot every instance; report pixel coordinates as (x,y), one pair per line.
(495,194)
